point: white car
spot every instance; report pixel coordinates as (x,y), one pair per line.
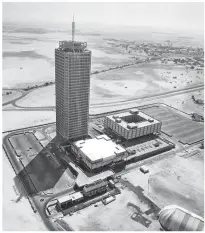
(144,169)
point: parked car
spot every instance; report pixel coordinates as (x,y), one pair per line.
(144,169)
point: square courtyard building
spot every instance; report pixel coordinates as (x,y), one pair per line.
(132,124)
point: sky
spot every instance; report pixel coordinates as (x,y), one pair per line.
(185,15)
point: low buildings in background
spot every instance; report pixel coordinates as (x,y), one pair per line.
(132,124)
(98,152)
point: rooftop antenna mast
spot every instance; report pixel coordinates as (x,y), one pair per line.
(73,29)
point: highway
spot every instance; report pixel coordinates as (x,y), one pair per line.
(110,104)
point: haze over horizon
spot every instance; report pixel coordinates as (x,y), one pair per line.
(171,16)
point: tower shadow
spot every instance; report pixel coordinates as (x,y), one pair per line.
(43,172)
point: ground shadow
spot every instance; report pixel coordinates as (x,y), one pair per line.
(43,171)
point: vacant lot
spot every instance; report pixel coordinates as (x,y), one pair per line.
(28,57)
(41,97)
(177,125)
(8,97)
(127,83)
(171,180)
(185,103)
(115,216)
(141,80)
(17,120)
(17,213)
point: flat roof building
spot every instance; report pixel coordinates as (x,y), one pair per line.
(82,179)
(72,78)
(98,152)
(132,124)
(64,201)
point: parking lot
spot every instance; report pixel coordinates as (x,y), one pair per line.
(25,144)
(147,149)
(177,125)
(43,170)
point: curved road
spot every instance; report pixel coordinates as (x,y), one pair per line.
(17,167)
(41,208)
(23,94)
(114,103)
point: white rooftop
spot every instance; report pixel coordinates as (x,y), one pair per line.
(101,147)
(67,197)
(64,198)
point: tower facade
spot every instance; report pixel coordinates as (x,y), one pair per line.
(72,78)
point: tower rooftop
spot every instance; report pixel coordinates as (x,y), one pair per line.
(72,46)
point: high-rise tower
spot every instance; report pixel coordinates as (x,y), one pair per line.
(72,77)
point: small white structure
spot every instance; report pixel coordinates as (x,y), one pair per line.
(98,152)
(108,200)
(144,169)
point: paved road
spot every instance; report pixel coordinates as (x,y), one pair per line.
(18,167)
(23,94)
(116,103)
(153,96)
(41,207)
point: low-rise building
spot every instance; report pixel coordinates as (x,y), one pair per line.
(98,152)
(68,200)
(132,124)
(98,186)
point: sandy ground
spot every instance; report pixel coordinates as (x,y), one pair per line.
(180,183)
(185,103)
(112,217)
(8,106)
(141,80)
(13,95)
(40,97)
(17,212)
(28,58)
(135,81)
(15,120)
(172,180)
(14,76)
(179,76)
